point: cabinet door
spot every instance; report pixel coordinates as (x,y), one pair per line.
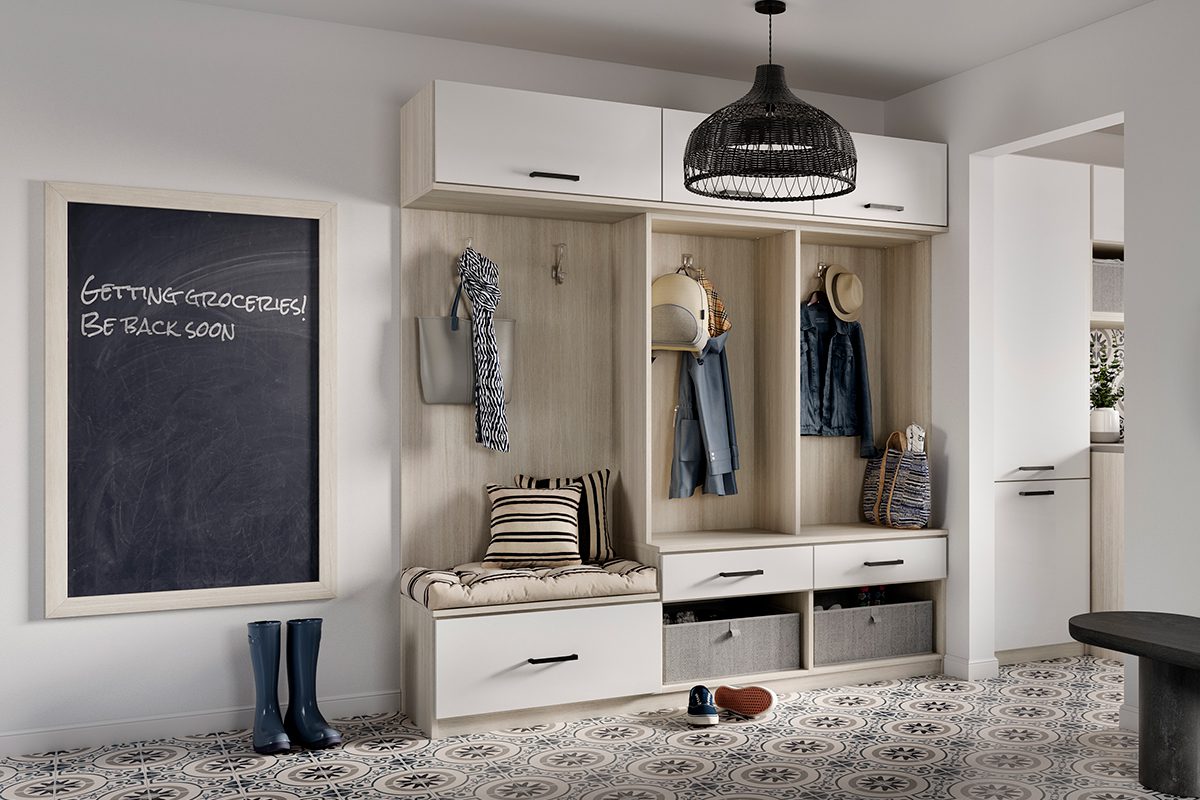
(1042,560)
(677,127)
(485,136)
(1108,204)
(899,180)
(1042,264)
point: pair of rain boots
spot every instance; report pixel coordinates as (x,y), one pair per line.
(745,701)
(303,725)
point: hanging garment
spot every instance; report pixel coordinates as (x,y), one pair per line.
(706,450)
(835,392)
(481,280)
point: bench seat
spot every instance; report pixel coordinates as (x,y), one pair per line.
(470,585)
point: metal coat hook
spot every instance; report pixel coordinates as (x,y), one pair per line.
(822,268)
(558,272)
(470,241)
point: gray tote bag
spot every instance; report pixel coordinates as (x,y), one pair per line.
(447,362)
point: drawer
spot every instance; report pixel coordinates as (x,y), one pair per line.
(483,663)
(861,634)
(899,180)
(487,136)
(677,126)
(730,573)
(726,647)
(879,562)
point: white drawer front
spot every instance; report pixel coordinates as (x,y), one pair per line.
(728,573)
(486,136)
(483,662)
(677,127)
(874,563)
(899,180)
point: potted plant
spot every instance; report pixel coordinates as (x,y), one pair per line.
(1106,421)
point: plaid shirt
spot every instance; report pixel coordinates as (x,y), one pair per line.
(718,319)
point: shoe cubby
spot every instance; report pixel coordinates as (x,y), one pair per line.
(738,636)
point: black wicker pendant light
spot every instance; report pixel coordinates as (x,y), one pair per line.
(770,144)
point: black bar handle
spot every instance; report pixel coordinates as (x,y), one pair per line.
(745,574)
(1043,493)
(1035,469)
(895,562)
(884,206)
(560,176)
(553,659)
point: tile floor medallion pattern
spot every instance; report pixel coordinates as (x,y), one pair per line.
(1041,731)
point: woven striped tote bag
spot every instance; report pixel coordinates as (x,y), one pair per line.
(896,488)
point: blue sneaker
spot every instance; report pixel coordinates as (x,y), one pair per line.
(701,708)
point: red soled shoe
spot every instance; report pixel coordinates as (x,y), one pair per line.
(746,701)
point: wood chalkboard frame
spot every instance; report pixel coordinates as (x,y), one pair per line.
(58,602)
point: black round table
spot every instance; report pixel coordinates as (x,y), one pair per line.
(1168,651)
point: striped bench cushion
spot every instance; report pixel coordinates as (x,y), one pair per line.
(474,585)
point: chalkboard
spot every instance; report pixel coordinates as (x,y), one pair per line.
(193,442)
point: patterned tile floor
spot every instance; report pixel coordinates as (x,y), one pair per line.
(1040,731)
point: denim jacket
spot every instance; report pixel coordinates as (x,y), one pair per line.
(835,393)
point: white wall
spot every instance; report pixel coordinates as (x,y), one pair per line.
(165,94)
(1144,63)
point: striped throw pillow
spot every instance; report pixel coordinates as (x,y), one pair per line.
(595,541)
(533,527)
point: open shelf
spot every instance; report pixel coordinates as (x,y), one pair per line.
(743,538)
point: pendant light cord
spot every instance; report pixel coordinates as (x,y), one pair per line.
(770,38)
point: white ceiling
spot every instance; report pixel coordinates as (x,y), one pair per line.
(866,48)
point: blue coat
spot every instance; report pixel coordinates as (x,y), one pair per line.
(835,392)
(706,451)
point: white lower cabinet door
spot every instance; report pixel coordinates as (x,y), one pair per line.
(501,662)
(1043,560)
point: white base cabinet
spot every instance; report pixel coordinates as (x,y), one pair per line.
(457,666)
(1042,560)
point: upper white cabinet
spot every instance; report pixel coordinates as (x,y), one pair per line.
(677,126)
(486,136)
(1108,204)
(899,180)
(1042,259)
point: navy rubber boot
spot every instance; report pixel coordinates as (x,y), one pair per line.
(701,708)
(304,722)
(270,737)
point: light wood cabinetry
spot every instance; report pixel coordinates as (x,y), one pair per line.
(899,180)
(508,138)
(1042,562)
(589,396)
(1042,264)
(1108,204)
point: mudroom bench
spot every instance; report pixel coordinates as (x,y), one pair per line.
(481,642)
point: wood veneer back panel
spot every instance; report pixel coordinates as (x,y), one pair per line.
(560,422)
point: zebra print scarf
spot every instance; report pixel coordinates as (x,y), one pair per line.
(481,280)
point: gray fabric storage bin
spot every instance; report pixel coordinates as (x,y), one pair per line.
(861,634)
(694,650)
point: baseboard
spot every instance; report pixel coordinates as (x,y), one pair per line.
(1129,717)
(97,734)
(978,670)
(1022,655)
